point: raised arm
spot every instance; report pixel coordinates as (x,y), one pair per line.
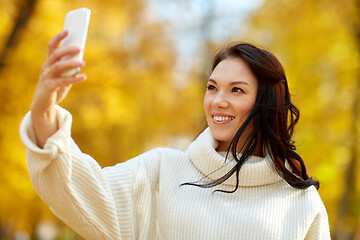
(52,88)
(69,181)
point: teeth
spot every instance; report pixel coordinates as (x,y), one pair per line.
(222,118)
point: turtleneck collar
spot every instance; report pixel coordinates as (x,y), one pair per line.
(256,171)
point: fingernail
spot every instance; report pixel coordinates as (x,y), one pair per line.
(81,76)
(76,49)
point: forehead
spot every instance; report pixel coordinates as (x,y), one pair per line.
(234,70)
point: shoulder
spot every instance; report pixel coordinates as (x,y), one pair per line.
(169,157)
(318,221)
(155,158)
(162,154)
(170,152)
(308,200)
(301,204)
(312,195)
(315,201)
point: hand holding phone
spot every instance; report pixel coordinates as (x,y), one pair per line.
(76,23)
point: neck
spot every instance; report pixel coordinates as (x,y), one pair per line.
(224,146)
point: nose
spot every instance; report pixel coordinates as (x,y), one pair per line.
(220,101)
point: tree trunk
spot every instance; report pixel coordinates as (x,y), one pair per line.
(342,231)
(25,11)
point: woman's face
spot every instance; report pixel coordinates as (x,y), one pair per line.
(229,99)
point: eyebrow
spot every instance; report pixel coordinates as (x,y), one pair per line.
(232,83)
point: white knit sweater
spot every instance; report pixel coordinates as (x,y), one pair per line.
(142,198)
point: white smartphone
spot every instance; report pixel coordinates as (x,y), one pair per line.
(77,24)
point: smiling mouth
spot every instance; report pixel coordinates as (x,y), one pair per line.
(222,118)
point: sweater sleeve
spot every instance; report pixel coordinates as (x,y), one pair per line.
(97,203)
(319,228)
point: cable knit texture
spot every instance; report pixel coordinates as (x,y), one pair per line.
(142,198)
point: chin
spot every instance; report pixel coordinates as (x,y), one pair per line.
(221,135)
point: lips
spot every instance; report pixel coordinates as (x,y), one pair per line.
(222,118)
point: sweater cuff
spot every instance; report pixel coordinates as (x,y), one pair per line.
(56,143)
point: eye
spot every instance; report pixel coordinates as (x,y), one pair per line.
(211,87)
(238,90)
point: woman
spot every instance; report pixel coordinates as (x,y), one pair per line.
(240,179)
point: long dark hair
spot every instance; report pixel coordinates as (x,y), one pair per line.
(273,117)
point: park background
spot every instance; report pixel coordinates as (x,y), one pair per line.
(147,63)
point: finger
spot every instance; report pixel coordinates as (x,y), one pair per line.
(66,81)
(58,53)
(56,83)
(53,43)
(59,67)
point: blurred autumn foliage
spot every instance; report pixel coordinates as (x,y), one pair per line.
(131,102)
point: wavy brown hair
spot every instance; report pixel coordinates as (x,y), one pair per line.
(273,116)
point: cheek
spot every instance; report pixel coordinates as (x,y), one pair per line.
(245,107)
(207,103)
